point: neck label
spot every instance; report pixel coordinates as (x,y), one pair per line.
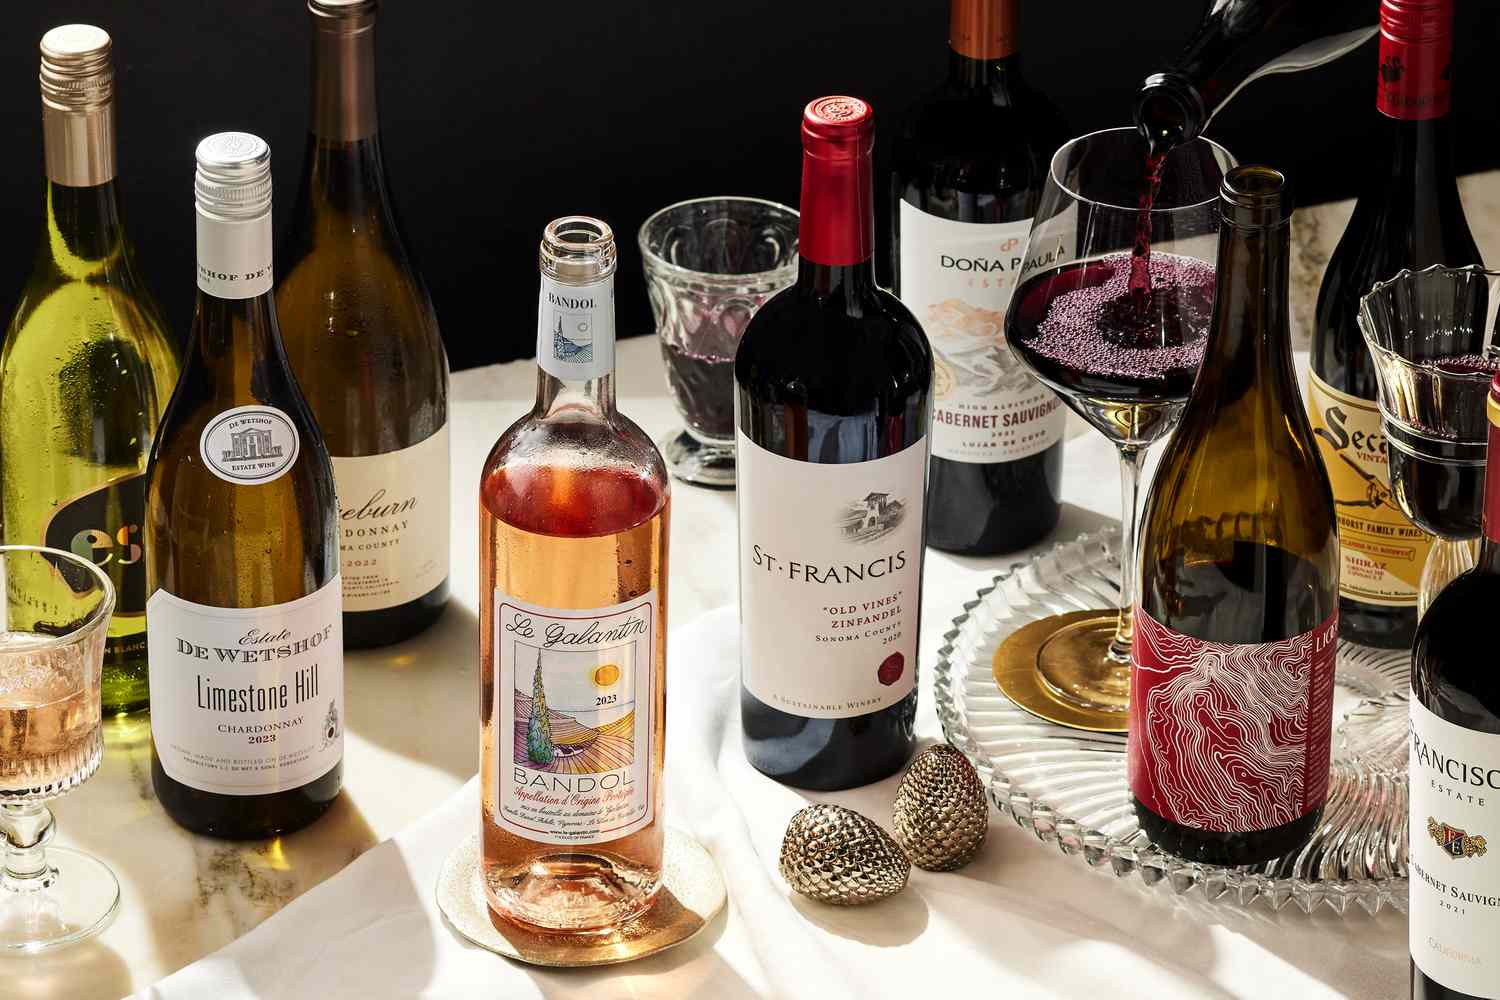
(234,256)
(575,334)
(1415,81)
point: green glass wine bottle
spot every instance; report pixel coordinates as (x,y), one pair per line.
(86,368)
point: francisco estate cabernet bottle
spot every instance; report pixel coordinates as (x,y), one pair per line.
(969,164)
(363,342)
(243,619)
(1408,216)
(832,385)
(1236,626)
(1455,774)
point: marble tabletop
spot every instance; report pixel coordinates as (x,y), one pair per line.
(412,719)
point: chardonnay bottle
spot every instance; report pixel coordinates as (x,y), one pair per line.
(244,619)
(1236,625)
(364,344)
(86,369)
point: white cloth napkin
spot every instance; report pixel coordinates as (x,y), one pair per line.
(1020,921)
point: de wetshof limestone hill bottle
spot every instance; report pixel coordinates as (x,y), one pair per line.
(244,619)
(1409,215)
(969,163)
(86,370)
(363,341)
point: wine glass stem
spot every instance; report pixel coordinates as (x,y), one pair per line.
(27,827)
(1131,460)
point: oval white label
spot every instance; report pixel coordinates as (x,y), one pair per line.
(250,445)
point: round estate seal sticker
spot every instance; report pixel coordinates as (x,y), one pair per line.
(250,444)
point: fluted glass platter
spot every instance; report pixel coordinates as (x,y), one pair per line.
(1068,786)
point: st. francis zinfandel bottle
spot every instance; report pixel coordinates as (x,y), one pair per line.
(243,620)
(363,342)
(969,165)
(832,386)
(1408,216)
(1236,627)
(86,371)
(573,509)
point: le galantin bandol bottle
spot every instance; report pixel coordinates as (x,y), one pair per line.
(244,618)
(87,368)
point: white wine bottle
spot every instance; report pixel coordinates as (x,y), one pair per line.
(1236,622)
(364,344)
(86,369)
(244,618)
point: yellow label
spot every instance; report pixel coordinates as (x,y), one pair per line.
(1381,551)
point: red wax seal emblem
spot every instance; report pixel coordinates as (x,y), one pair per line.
(891,669)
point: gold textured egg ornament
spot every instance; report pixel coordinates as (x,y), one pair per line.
(941,815)
(835,855)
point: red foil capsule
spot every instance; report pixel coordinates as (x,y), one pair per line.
(1416,51)
(838,208)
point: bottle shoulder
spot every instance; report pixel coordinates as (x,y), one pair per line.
(1452,672)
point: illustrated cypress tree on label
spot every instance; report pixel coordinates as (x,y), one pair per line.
(539,748)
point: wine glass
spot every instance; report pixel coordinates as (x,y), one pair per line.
(1112,311)
(51,656)
(710,264)
(1430,335)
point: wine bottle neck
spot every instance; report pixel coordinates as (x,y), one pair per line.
(233,335)
(837,228)
(994,75)
(84,232)
(982,42)
(343,76)
(575,349)
(1249,341)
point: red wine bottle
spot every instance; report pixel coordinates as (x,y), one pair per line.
(1408,216)
(969,164)
(1239,41)
(833,382)
(1455,775)
(1236,622)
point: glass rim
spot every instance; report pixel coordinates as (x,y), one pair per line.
(658,261)
(103,611)
(1429,366)
(1053,171)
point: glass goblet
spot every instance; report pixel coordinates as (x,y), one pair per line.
(1124,356)
(1430,334)
(51,655)
(710,264)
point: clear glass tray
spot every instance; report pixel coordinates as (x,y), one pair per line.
(1068,786)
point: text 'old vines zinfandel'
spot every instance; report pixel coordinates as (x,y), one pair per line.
(1408,216)
(1454,769)
(1236,629)
(832,383)
(243,622)
(969,164)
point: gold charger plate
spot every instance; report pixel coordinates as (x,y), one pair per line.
(1019,680)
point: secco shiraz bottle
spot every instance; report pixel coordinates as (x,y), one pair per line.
(832,399)
(1409,216)
(1455,774)
(363,342)
(1236,627)
(969,165)
(86,371)
(243,621)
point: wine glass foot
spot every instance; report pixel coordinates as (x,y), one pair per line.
(78,900)
(698,462)
(1059,669)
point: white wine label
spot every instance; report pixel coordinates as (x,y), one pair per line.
(249,445)
(830,580)
(393,523)
(247,701)
(234,256)
(1381,553)
(1454,907)
(575,333)
(576,715)
(957,279)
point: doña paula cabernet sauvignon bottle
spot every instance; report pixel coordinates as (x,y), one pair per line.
(969,164)
(1236,622)
(832,403)
(363,342)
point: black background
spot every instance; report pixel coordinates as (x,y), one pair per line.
(500,116)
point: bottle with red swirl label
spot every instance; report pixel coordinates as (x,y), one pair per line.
(1231,686)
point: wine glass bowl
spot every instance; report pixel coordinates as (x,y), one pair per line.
(710,264)
(1420,328)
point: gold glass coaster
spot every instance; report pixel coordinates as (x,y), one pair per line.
(692,893)
(1056,668)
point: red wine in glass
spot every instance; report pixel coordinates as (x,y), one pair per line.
(703,386)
